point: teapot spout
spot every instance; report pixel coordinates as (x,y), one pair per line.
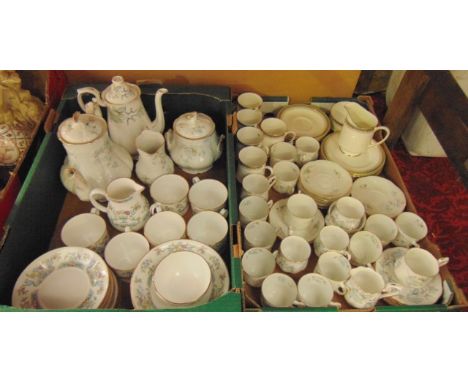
(159,123)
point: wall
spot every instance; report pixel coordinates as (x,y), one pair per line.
(300,85)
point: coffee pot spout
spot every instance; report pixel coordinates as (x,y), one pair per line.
(158,123)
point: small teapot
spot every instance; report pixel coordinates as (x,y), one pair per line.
(193,143)
(126,115)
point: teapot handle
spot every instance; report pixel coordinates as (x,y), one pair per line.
(92,198)
(89,90)
(219,149)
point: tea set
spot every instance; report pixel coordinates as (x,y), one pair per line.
(298,198)
(174,262)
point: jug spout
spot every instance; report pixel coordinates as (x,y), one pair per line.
(158,123)
(360,117)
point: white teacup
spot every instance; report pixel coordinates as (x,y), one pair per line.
(294,253)
(164,226)
(181,280)
(170,193)
(282,151)
(331,238)
(307,149)
(256,184)
(301,210)
(411,229)
(275,130)
(287,175)
(279,291)
(257,264)
(365,287)
(252,160)
(124,252)
(86,230)
(259,234)
(253,208)
(249,136)
(417,267)
(316,291)
(207,195)
(249,117)
(335,267)
(250,100)
(208,227)
(383,227)
(365,248)
(347,213)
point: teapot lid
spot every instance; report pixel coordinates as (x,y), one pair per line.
(194,125)
(120,92)
(81,128)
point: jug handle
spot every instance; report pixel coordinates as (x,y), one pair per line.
(169,137)
(92,198)
(89,90)
(387,131)
(219,149)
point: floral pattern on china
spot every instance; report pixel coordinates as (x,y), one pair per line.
(140,285)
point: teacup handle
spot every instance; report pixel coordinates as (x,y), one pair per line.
(224,213)
(271,182)
(94,211)
(98,192)
(275,254)
(89,90)
(342,289)
(335,304)
(345,254)
(413,242)
(264,148)
(292,135)
(270,204)
(299,304)
(383,128)
(391,289)
(443,261)
(155,208)
(270,169)
(195,179)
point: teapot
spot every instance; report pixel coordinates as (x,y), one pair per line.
(92,160)
(126,115)
(193,143)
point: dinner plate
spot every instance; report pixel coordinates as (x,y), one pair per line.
(140,284)
(379,196)
(305,120)
(25,291)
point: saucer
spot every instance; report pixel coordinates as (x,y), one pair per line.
(25,291)
(426,295)
(369,163)
(379,196)
(140,285)
(305,120)
(276,219)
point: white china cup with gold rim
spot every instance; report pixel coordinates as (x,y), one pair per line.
(301,210)
(170,193)
(411,229)
(331,238)
(307,149)
(164,226)
(383,227)
(275,131)
(259,234)
(250,100)
(335,266)
(207,195)
(347,213)
(253,208)
(249,117)
(279,291)
(315,291)
(365,248)
(256,184)
(282,151)
(252,160)
(208,227)
(257,264)
(287,175)
(293,255)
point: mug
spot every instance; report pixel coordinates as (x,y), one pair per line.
(86,230)
(164,226)
(411,229)
(282,151)
(365,287)
(208,227)
(170,193)
(383,227)
(331,238)
(253,208)
(347,213)
(287,175)
(307,149)
(274,131)
(256,184)
(335,267)
(358,129)
(315,291)
(124,252)
(365,248)
(248,117)
(249,136)
(301,210)
(417,267)
(250,100)
(293,254)
(207,195)
(257,264)
(252,160)
(259,234)
(279,291)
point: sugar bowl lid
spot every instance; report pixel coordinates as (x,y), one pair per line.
(194,125)
(120,92)
(81,128)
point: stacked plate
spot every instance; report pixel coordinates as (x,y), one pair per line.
(66,278)
(305,120)
(324,181)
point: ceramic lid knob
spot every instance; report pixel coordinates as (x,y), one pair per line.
(120,92)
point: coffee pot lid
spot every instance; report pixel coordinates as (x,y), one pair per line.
(120,92)
(194,125)
(81,128)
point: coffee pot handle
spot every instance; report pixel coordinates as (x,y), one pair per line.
(93,195)
(387,131)
(89,90)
